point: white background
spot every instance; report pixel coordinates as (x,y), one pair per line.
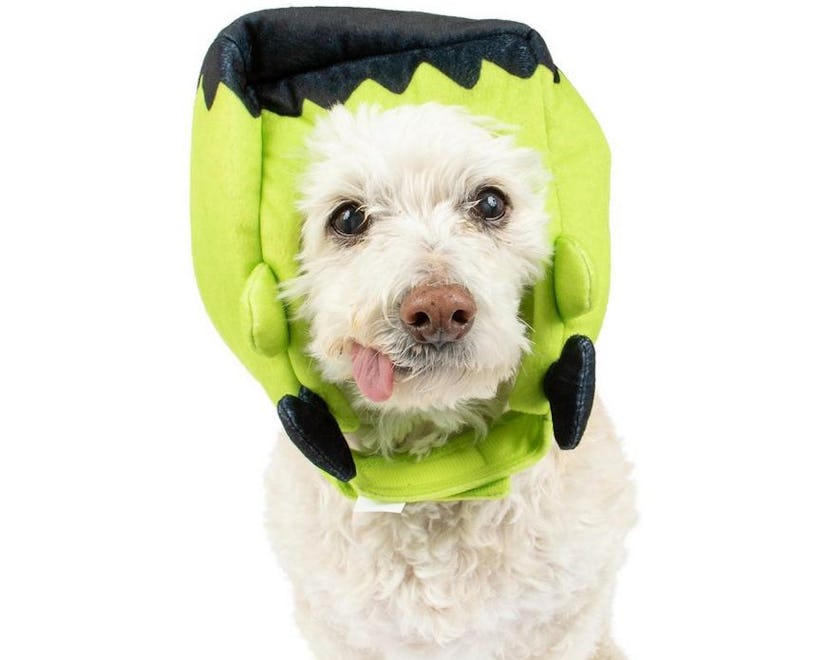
(133,443)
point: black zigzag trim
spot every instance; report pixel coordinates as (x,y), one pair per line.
(274,59)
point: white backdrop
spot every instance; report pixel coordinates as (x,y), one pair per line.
(133,443)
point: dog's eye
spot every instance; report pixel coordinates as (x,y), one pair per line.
(490,204)
(348,219)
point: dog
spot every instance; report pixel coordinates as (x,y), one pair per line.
(423,226)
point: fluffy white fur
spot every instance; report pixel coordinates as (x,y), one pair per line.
(529,576)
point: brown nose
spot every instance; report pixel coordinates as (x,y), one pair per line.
(438,314)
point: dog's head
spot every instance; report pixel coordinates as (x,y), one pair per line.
(423,227)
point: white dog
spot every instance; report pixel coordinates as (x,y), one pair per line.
(423,228)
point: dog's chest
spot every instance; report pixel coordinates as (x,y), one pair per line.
(443,571)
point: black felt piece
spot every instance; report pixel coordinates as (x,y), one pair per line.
(315,432)
(274,59)
(569,385)
(311,397)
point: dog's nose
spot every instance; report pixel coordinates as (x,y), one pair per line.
(438,314)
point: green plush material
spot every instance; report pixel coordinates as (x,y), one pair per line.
(245,238)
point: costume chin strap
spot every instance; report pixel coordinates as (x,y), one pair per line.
(569,386)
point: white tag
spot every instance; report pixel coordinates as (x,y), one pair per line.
(367,505)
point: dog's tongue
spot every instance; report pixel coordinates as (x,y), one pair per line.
(373,372)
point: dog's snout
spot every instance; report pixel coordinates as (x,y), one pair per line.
(438,314)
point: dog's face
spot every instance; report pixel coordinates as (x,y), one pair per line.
(423,227)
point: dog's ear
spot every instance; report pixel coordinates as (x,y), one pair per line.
(569,385)
(313,429)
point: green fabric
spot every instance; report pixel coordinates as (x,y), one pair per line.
(516,442)
(246,236)
(263,313)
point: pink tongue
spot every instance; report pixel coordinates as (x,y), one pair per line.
(373,372)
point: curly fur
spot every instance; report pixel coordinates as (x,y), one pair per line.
(528,576)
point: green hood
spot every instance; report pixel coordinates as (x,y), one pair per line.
(264,81)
